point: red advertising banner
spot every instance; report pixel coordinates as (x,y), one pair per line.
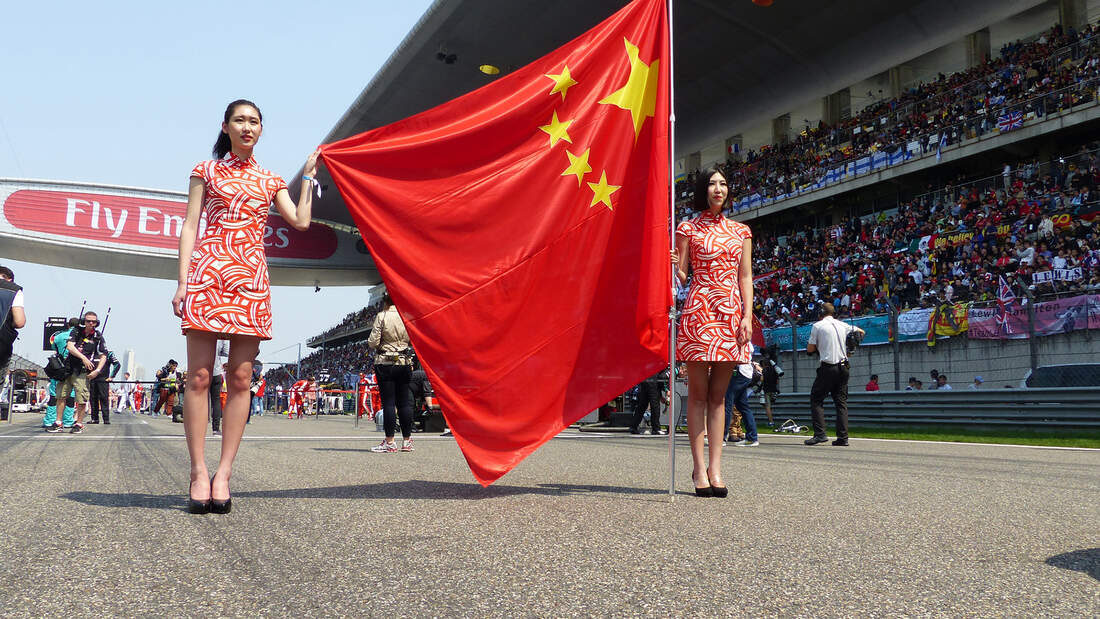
(144,222)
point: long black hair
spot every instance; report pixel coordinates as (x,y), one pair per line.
(701,201)
(223,145)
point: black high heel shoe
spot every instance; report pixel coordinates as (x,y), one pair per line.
(720,492)
(705,491)
(195,506)
(219,507)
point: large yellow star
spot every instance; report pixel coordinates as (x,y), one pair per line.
(639,95)
(562,82)
(601,192)
(557,130)
(578,166)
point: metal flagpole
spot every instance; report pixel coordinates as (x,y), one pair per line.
(672,412)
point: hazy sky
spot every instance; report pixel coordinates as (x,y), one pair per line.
(132,93)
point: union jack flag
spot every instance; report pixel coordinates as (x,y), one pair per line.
(1011,121)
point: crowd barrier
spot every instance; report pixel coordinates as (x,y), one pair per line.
(1056,407)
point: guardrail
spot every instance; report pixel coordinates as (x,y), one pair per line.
(1060,407)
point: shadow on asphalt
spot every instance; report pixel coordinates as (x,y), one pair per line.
(129,499)
(415,489)
(1086,560)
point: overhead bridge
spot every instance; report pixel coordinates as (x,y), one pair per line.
(134,231)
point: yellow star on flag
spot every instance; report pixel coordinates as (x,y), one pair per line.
(639,95)
(578,165)
(557,130)
(601,191)
(562,82)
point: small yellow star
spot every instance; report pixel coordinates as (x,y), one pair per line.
(601,192)
(578,166)
(639,94)
(562,82)
(557,130)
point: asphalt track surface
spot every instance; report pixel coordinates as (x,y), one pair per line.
(94,525)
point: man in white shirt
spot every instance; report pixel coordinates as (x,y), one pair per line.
(827,338)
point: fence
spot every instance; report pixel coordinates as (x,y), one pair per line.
(1074,407)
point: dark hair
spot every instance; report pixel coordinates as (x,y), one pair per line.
(6,272)
(874,376)
(223,145)
(387,300)
(702,181)
(172,362)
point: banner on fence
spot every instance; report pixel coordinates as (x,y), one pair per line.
(984,323)
(1066,315)
(877,328)
(913,325)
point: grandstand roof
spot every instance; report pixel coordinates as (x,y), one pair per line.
(737,63)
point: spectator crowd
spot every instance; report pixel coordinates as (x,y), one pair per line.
(1054,72)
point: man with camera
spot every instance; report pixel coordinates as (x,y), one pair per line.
(168,379)
(100,391)
(85,343)
(769,385)
(12,318)
(829,338)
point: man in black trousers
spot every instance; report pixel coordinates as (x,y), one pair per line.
(650,394)
(99,391)
(827,337)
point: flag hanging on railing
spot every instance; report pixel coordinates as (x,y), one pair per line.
(523,233)
(1010,121)
(1005,300)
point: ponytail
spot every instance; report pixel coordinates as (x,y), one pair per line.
(223,145)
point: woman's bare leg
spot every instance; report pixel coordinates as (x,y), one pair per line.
(698,378)
(196,399)
(720,374)
(242,352)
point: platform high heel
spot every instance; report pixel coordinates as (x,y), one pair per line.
(195,506)
(720,492)
(219,507)
(705,491)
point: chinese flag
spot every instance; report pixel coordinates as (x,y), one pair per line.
(523,232)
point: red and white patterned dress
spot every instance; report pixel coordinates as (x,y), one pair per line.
(708,323)
(227,285)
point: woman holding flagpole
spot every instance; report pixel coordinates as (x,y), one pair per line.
(223,291)
(716,321)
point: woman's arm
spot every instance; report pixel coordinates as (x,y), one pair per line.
(299,216)
(744,333)
(680,258)
(188,233)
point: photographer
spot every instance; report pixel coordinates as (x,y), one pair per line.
(85,343)
(769,385)
(12,317)
(100,394)
(828,337)
(168,379)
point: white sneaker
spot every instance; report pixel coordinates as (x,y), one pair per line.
(407,445)
(746,443)
(386,447)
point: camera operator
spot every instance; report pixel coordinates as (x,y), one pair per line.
(85,343)
(100,392)
(829,338)
(13,317)
(769,385)
(168,379)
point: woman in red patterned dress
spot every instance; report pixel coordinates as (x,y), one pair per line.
(716,322)
(223,288)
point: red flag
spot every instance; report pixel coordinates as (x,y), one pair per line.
(523,232)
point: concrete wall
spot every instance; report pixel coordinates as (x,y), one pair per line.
(1023,26)
(998,362)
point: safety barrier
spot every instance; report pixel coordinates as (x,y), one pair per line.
(1056,407)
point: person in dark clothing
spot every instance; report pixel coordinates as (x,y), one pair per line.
(12,318)
(651,392)
(99,390)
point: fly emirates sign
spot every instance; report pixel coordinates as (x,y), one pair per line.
(144,223)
